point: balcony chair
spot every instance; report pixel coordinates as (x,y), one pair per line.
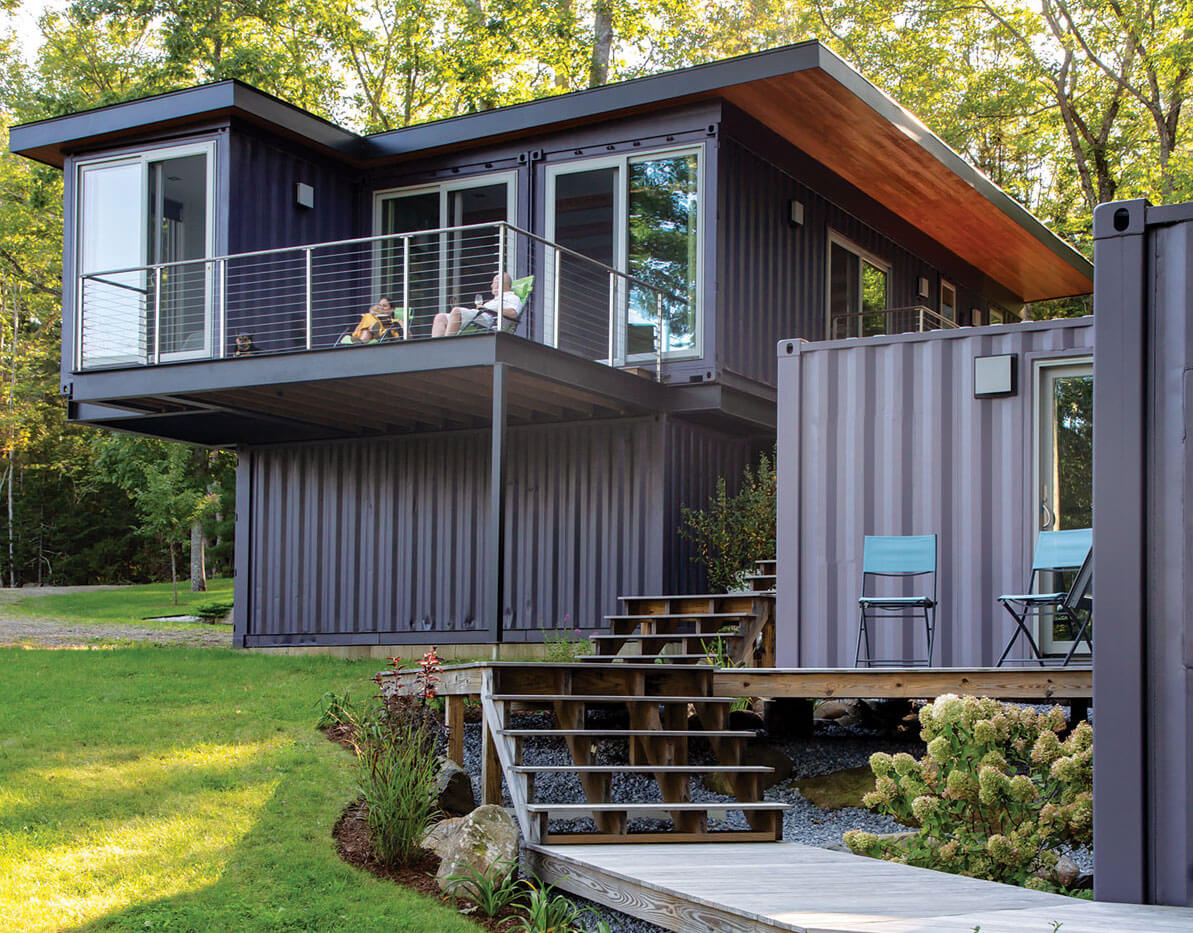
(902,556)
(1056,552)
(520,287)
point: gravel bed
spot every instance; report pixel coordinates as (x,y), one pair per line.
(831,748)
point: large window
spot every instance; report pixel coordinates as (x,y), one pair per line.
(438,270)
(140,210)
(858,290)
(637,215)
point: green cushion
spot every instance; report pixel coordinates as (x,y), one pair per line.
(522,287)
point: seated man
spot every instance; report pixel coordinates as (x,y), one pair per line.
(450,323)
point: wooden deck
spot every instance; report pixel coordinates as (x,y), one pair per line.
(1028,684)
(790,887)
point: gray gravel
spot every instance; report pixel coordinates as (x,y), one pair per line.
(831,749)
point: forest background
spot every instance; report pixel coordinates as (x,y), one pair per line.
(1063,103)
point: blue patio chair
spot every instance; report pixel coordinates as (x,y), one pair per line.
(1056,552)
(897,556)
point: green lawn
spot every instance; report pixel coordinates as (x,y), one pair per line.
(126,604)
(150,788)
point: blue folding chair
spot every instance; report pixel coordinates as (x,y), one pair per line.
(1056,552)
(896,556)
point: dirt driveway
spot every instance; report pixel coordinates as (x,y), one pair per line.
(54,633)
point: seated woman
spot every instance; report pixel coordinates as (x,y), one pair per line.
(376,324)
(450,323)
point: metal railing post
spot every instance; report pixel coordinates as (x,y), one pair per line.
(308,295)
(555,300)
(612,312)
(157,315)
(658,349)
(406,315)
(499,326)
(221,278)
(80,305)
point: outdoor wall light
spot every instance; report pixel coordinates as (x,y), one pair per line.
(304,195)
(995,375)
(795,213)
(925,287)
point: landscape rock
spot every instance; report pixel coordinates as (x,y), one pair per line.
(742,719)
(455,789)
(1066,872)
(838,789)
(832,710)
(440,834)
(760,754)
(486,841)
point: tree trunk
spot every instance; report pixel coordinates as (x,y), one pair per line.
(198,558)
(174,572)
(602,43)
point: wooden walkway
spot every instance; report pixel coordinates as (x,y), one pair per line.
(740,887)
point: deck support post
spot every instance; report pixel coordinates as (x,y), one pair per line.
(494,558)
(453,716)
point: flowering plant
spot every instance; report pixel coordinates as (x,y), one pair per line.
(998,796)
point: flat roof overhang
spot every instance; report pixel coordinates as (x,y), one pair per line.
(399,388)
(803,92)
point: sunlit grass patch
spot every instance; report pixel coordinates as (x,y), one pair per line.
(125,604)
(183,789)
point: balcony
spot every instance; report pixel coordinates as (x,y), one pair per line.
(289,344)
(910,320)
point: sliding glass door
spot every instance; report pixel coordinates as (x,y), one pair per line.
(635,215)
(437,270)
(858,290)
(137,211)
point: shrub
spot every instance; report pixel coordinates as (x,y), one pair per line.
(733,532)
(564,644)
(998,795)
(214,611)
(334,710)
(548,912)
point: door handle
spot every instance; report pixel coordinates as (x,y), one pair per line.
(1048,518)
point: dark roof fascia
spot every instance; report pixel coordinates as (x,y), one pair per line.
(891,111)
(653,90)
(46,140)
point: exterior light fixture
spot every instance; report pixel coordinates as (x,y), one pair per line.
(304,195)
(995,376)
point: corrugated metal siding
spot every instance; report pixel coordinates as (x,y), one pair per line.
(883,436)
(262,210)
(362,538)
(697,457)
(771,275)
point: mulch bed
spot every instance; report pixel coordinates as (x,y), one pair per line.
(354,846)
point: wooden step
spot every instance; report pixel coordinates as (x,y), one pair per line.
(572,810)
(643,769)
(631,733)
(656,616)
(602,698)
(667,636)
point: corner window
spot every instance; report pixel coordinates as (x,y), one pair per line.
(858,290)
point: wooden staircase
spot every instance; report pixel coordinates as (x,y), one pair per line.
(730,629)
(654,740)
(652,674)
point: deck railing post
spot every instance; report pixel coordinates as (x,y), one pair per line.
(499,325)
(157,315)
(308,295)
(221,317)
(555,299)
(406,315)
(612,313)
(658,350)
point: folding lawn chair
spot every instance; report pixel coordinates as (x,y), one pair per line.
(896,556)
(1056,552)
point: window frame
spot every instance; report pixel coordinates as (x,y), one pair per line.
(207,147)
(946,285)
(835,237)
(622,162)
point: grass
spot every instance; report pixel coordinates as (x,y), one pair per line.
(150,788)
(123,605)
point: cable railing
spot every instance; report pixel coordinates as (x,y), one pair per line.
(421,285)
(913,319)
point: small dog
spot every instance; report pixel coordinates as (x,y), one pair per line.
(245,345)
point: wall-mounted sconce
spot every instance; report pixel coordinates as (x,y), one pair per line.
(304,195)
(995,375)
(925,287)
(795,213)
